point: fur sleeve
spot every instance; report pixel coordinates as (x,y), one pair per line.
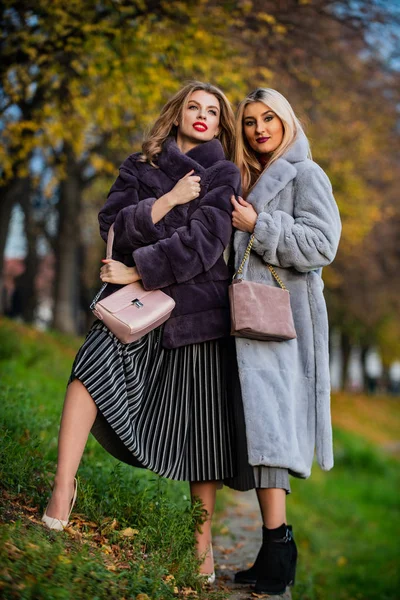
(309,239)
(132,220)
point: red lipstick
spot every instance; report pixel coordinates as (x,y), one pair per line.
(261,140)
(199,126)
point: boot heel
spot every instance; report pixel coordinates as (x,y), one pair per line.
(292,575)
(293,564)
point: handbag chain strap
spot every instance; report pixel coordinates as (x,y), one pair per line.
(270,267)
(97,296)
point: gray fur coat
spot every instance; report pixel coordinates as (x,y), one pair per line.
(285,385)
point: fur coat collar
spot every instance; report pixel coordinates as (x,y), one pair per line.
(264,194)
(177,164)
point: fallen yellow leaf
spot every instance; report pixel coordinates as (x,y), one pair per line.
(189,592)
(32,546)
(129,532)
(64,559)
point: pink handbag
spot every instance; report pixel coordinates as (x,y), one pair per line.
(259,311)
(132,311)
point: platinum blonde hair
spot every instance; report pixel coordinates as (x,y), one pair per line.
(172,112)
(244,156)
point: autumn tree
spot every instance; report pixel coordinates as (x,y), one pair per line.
(80,77)
(81,81)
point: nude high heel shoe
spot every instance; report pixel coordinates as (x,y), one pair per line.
(58,524)
(209,578)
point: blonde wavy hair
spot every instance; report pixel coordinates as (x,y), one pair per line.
(244,156)
(172,112)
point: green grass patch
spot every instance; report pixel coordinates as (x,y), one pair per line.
(347,525)
(132,533)
(346,522)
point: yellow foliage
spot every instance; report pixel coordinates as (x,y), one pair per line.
(389,339)
(117,79)
(281,29)
(270,19)
(246,6)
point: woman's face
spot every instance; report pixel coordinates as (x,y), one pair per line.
(262,128)
(199,121)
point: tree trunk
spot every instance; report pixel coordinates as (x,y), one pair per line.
(26,284)
(364,352)
(10,195)
(66,300)
(86,294)
(345,347)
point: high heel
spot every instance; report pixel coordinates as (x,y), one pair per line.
(58,524)
(209,578)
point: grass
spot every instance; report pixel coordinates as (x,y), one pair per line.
(347,525)
(132,533)
(375,418)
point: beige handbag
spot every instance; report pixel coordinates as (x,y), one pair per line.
(260,311)
(131,312)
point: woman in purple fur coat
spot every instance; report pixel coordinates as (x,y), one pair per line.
(161,402)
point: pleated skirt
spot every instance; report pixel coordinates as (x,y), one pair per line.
(166,410)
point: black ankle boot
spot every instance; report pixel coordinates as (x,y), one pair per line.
(279,560)
(249,576)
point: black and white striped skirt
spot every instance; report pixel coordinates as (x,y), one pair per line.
(161,409)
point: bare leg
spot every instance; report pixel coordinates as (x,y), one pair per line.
(272,503)
(78,416)
(206,491)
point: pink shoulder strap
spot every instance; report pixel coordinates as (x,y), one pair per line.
(110,241)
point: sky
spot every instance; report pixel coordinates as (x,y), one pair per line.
(15,246)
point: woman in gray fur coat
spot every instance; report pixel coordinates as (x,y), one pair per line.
(285,386)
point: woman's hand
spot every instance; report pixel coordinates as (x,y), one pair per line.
(244,216)
(187,189)
(114,271)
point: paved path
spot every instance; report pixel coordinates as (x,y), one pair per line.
(237,545)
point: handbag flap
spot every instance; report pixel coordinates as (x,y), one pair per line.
(156,305)
(124,297)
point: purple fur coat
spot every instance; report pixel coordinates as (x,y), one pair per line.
(183,253)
